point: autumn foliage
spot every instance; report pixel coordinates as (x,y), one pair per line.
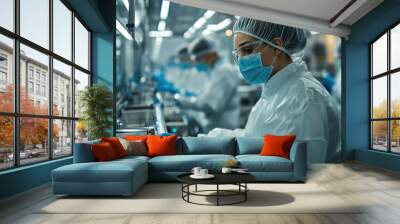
(33,131)
(379,128)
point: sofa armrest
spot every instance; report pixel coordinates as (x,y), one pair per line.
(83,152)
(298,155)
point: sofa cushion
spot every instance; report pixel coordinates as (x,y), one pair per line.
(116,145)
(112,171)
(161,145)
(185,163)
(249,145)
(206,145)
(103,152)
(257,163)
(134,147)
(277,145)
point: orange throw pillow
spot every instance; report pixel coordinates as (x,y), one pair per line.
(103,152)
(136,137)
(116,145)
(161,145)
(277,145)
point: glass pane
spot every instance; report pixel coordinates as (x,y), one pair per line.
(395,132)
(62,89)
(379,55)
(7,14)
(81,131)
(6,142)
(395,94)
(62,29)
(379,97)
(33,139)
(395,47)
(81,45)
(34,92)
(379,135)
(6,74)
(35,21)
(81,81)
(62,138)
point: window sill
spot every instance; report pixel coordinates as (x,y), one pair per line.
(30,166)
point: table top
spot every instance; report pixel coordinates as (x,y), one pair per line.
(220,178)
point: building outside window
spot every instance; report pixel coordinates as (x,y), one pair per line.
(30,87)
(57,128)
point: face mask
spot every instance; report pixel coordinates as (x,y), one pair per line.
(252,69)
(201,67)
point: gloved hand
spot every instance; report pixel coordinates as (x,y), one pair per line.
(189,93)
(222,132)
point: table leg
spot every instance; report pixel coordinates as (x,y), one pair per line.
(245,193)
(196,187)
(217,194)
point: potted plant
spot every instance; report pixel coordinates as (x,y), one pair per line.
(96,103)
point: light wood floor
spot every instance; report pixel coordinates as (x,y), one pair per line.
(378,188)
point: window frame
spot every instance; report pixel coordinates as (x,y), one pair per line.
(388,74)
(16,114)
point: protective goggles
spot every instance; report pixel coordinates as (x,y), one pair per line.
(248,49)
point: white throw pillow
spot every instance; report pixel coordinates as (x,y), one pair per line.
(137,148)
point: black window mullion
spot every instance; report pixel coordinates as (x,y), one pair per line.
(50,79)
(389,104)
(73,82)
(16,84)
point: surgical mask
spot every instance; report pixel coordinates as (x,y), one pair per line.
(253,70)
(202,67)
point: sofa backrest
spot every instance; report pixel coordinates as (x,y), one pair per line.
(83,152)
(206,145)
(246,145)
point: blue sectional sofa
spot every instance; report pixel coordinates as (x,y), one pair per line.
(125,176)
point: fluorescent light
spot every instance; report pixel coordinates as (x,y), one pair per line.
(208,14)
(123,30)
(164,10)
(187,35)
(157,47)
(126,4)
(224,23)
(199,23)
(206,32)
(161,25)
(165,33)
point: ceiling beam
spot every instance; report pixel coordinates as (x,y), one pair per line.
(346,12)
(270,15)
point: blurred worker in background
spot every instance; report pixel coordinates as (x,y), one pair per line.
(184,75)
(219,100)
(292,101)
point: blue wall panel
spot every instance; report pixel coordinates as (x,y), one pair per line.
(24,178)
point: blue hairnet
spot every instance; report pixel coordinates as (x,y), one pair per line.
(293,39)
(202,46)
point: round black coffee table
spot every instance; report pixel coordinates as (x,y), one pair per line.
(238,179)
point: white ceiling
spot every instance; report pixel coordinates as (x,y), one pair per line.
(317,15)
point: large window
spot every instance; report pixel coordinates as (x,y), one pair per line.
(385,91)
(44,64)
